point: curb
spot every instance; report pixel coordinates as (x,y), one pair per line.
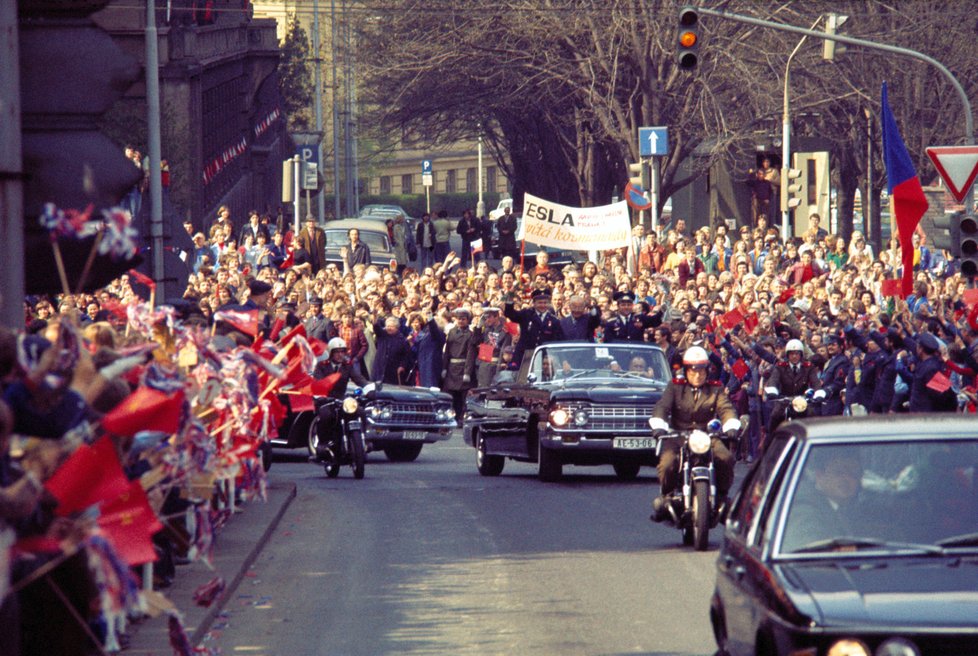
(205,624)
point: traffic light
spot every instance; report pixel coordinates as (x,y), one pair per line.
(791,188)
(832,48)
(636,175)
(968,245)
(947,233)
(689,38)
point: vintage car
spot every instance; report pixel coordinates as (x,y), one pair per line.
(398,420)
(573,403)
(855,536)
(372,233)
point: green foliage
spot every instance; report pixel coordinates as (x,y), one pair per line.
(296,77)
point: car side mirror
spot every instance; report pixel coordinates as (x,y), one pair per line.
(531,378)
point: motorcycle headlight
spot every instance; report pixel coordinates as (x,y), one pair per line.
(559,417)
(699,442)
(799,404)
(580,418)
(848,647)
(897,647)
(350,405)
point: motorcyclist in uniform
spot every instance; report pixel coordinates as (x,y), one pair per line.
(691,404)
(791,377)
(329,427)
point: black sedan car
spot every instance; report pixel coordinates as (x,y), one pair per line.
(855,537)
(573,403)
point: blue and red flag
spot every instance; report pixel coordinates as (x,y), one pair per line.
(906,194)
(635,197)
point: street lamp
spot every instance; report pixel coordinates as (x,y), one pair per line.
(480,208)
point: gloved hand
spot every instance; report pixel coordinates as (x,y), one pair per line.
(819,395)
(658,432)
(659,427)
(466,378)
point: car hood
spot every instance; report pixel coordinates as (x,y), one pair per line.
(622,393)
(405,394)
(901,591)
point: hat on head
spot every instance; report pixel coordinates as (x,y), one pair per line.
(540,293)
(315,300)
(624,297)
(833,339)
(462,312)
(490,310)
(929,343)
(287,305)
(258,287)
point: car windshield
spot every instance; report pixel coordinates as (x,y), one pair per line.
(375,240)
(604,361)
(895,495)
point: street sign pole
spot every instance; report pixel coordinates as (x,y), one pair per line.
(654,184)
(427,179)
(296,164)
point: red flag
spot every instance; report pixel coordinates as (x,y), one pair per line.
(92,474)
(740,368)
(142,278)
(512,328)
(785,295)
(146,409)
(891,287)
(970,297)
(128,522)
(276,329)
(298,331)
(244,320)
(751,321)
(732,319)
(939,383)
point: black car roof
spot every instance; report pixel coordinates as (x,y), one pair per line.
(873,427)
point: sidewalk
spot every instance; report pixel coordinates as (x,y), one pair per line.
(236,546)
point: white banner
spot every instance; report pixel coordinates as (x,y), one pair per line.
(575,228)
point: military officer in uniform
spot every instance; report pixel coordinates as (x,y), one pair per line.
(833,377)
(691,404)
(490,340)
(627,326)
(790,378)
(538,325)
(459,362)
(925,393)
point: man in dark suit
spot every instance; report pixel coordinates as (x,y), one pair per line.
(581,323)
(538,325)
(318,326)
(254,227)
(626,325)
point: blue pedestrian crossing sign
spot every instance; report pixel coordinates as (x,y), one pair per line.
(426,167)
(653,141)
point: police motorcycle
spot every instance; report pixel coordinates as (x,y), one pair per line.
(795,407)
(344,423)
(693,505)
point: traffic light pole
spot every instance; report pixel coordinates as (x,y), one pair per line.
(969,125)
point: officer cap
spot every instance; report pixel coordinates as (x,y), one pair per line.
(833,339)
(929,343)
(490,310)
(315,300)
(540,293)
(288,306)
(462,312)
(624,297)
(258,287)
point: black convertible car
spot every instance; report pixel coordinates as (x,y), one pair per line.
(855,537)
(573,403)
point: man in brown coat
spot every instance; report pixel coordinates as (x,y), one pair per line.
(460,350)
(312,239)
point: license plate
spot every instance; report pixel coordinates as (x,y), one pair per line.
(415,435)
(494,404)
(634,443)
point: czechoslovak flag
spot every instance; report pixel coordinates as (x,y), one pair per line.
(476,247)
(906,194)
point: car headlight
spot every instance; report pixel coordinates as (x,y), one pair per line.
(350,405)
(799,404)
(699,442)
(559,417)
(848,647)
(375,411)
(449,413)
(580,418)
(897,647)
(386,413)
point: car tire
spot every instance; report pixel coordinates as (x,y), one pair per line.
(312,436)
(488,465)
(551,469)
(403,452)
(266,455)
(627,471)
(701,515)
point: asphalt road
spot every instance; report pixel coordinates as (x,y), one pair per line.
(431,558)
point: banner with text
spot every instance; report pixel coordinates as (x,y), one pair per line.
(574,228)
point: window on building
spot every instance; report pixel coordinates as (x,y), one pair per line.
(385,184)
(491,179)
(450,183)
(407,184)
(470,182)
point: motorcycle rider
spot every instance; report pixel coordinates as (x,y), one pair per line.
(834,377)
(691,404)
(329,427)
(791,377)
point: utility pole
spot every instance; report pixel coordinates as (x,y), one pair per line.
(317,46)
(336,117)
(11,185)
(155,154)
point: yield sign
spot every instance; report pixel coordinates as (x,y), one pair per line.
(958,166)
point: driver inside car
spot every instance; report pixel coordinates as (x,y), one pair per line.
(691,404)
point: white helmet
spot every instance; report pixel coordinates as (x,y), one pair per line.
(696,356)
(794,345)
(336,343)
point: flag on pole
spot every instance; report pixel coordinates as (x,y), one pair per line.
(146,409)
(906,194)
(128,521)
(476,247)
(244,320)
(92,474)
